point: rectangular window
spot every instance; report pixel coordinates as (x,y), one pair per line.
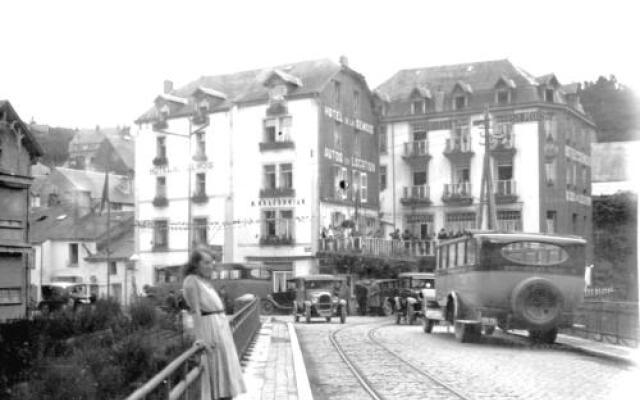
(285,224)
(200,144)
(458,222)
(383,177)
(505,170)
(551,222)
(363,187)
(585,180)
(460,102)
(357,143)
(550,171)
(337,136)
(161,147)
(356,102)
(417,107)
(419,178)
(284,134)
(269,221)
(462,174)
(503,97)
(160,235)
(201,185)
(269,177)
(10,295)
(73,254)
(509,221)
(548,95)
(113,268)
(419,132)
(382,139)
(161,186)
(270,126)
(200,230)
(286,176)
(337,94)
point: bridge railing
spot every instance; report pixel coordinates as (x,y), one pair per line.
(613,322)
(181,379)
(379,247)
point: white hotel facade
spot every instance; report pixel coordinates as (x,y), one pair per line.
(432,150)
(256,163)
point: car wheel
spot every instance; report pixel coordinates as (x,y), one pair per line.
(307,314)
(328,319)
(427,325)
(343,315)
(488,330)
(266,307)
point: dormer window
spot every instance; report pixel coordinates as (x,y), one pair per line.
(164,112)
(459,102)
(549,95)
(418,107)
(277,92)
(461,92)
(503,97)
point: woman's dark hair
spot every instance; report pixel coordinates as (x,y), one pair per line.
(191,267)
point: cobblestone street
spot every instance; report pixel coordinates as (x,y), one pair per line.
(499,367)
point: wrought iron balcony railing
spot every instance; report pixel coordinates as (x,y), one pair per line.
(418,148)
(415,194)
(457,192)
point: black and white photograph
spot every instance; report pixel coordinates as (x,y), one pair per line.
(319,200)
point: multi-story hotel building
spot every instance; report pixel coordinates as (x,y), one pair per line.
(432,150)
(255,163)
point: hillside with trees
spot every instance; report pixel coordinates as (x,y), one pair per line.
(55,142)
(613,107)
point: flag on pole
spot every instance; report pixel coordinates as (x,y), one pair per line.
(105,193)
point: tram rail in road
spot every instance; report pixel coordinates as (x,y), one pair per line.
(366,383)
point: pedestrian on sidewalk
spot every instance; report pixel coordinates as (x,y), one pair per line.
(222,378)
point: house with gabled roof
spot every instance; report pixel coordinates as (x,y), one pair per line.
(100,149)
(257,162)
(432,149)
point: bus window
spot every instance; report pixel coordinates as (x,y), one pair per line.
(534,253)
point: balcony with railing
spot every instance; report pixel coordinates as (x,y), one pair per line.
(160,200)
(277,192)
(277,240)
(416,151)
(375,247)
(160,161)
(200,155)
(415,195)
(505,191)
(459,148)
(200,198)
(281,141)
(457,193)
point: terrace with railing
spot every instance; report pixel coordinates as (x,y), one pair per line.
(413,195)
(416,151)
(505,191)
(375,247)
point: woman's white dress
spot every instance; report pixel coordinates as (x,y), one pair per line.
(223,374)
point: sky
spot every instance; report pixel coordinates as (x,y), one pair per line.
(87,63)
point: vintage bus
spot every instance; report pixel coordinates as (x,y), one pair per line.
(523,281)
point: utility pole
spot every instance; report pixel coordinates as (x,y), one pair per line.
(487,197)
(189,165)
(108,201)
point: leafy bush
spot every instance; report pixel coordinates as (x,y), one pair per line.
(143,314)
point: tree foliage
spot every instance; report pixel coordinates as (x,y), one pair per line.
(615,233)
(55,143)
(613,107)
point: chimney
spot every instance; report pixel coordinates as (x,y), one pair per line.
(168,86)
(344,61)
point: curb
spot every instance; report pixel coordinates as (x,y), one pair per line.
(302,379)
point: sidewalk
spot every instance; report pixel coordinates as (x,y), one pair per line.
(275,369)
(595,348)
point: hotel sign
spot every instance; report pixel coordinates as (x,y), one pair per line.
(279,201)
(355,162)
(576,155)
(529,116)
(352,122)
(578,198)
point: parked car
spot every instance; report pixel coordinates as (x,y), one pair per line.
(376,296)
(320,296)
(57,295)
(414,288)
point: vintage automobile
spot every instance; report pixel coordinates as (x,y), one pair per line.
(413,289)
(320,296)
(58,295)
(377,295)
(527,281)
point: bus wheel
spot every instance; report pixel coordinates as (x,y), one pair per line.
(427,325)
(488,330)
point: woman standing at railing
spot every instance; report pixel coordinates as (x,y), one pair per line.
(222,378)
